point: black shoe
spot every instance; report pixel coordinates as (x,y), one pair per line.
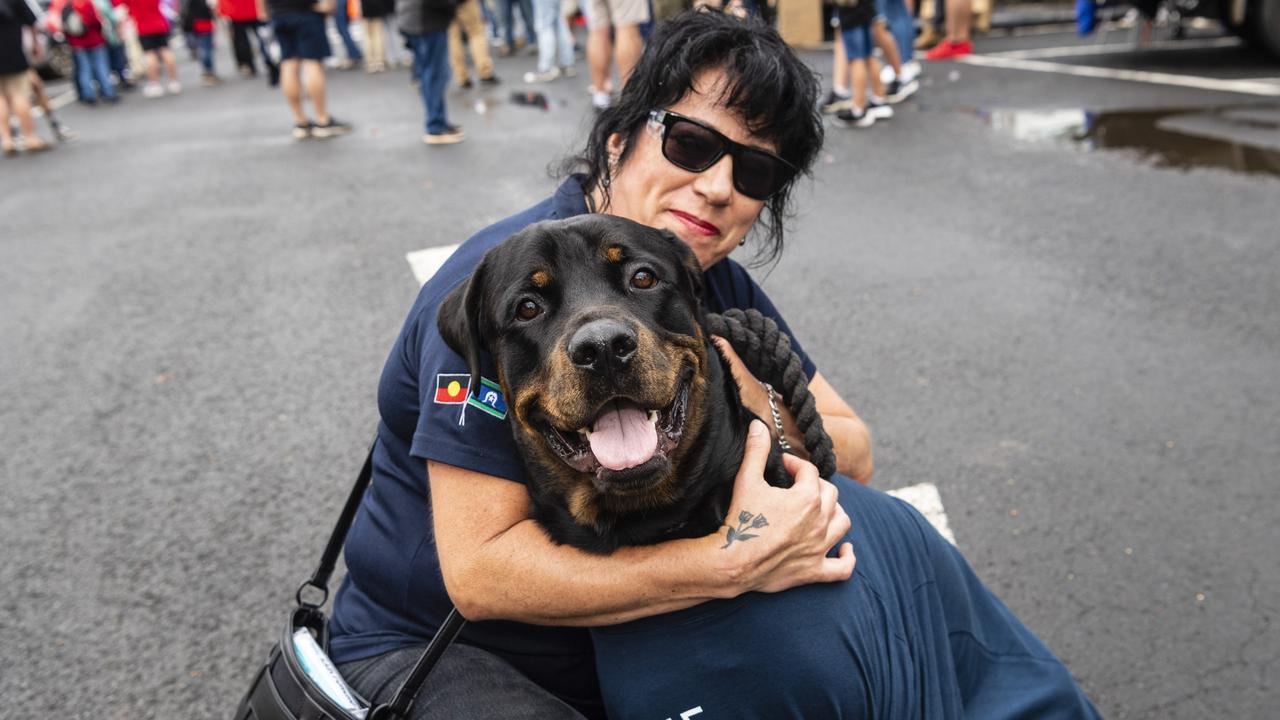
(833,103)
(847,117)
(273,74)
(332,128)
(490,81)
(879,110)
(452,135)
(466,84)
(897,91)
(302,131)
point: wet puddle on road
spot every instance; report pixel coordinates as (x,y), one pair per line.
(1240,138)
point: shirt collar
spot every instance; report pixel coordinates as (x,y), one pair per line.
(569,200)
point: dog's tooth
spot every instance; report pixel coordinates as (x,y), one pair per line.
(653,417)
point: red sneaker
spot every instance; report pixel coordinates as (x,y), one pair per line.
(947,50)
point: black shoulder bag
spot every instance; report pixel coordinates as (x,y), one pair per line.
(283,690)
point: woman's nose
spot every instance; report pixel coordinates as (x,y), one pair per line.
(716,182)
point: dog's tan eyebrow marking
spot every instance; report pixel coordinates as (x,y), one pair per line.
(540,278)
(613,253)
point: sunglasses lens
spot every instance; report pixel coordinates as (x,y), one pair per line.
(757,175)
(691,147)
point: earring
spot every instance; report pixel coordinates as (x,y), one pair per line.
(743,241)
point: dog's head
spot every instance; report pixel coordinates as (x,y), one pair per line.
(596,329)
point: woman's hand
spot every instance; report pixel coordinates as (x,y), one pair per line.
(849,435)
(778,538)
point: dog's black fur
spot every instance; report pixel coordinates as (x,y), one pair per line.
(583,271)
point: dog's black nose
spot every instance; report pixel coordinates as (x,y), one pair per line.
(603,346)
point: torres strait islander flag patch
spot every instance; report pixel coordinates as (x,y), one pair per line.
(488,397)
(451,388)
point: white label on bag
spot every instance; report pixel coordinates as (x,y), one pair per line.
(317,665)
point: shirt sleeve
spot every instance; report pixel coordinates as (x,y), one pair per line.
(463,420)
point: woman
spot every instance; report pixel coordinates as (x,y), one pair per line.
(725,85)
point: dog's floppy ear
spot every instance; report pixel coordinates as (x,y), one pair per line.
(459,320)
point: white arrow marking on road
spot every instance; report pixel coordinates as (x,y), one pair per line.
(923,497)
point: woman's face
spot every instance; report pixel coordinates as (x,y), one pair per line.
(703,209)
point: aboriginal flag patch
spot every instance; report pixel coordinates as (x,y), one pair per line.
(451,388)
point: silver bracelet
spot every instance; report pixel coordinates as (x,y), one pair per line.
(777,419)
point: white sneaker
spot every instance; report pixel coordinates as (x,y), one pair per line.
(152,90)
(600,99)
(910,71)
(887,75)
(542,77)
(174,87)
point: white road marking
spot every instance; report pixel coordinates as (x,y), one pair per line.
(1114,48)
(425,263)
(1265,87)
(923,497)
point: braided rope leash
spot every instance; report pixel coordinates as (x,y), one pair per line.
(766,351)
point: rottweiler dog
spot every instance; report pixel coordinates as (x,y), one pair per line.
(627,417)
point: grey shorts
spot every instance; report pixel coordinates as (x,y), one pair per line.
(605,13)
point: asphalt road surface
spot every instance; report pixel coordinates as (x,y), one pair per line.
(1074,340)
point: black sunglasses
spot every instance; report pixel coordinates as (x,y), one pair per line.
(693,146)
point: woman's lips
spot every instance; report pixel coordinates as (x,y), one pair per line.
(701,227)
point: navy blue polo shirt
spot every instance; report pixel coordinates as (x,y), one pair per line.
(913,634)
(393,594)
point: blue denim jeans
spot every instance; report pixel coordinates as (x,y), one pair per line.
(94,65)
(509,21)
(555,42)
(343,24)
(901,26)
(431,62)
(204,48)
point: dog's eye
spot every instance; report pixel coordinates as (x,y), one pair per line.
(528,310)
(643,279)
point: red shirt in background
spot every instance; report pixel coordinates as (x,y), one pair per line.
(238,10)
(147,16)
(92,36)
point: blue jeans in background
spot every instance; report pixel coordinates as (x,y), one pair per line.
(431,62)
(204,49)
(901,26)
(509,21)
(343,23)
(553,36)
(94,65)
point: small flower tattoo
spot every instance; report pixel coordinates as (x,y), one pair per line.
(746,521)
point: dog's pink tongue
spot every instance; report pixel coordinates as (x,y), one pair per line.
(622,436)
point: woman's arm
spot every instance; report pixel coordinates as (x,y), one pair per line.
(498,564)
(849,435)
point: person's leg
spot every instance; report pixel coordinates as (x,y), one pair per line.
(457,54)
(291,84)
(20,105)
(374,58)
(314,83)
(435,78)
(884,40)
(545,13)
(599,55)
(205,42)
(170,66)
(530,30)
(959,20)
(471,15)
(84,76)
(858,75)
(839,67)
(6,132)
(101,64)
(342,21)
(564,41)
(628,46)
(903,29)
(509,23)
(466,683)
(241,48)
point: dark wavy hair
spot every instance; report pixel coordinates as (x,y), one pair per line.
(771,89)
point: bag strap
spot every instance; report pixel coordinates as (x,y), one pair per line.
(320,578)
(453,623)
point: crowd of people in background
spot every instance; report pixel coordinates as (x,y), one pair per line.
(118,45)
